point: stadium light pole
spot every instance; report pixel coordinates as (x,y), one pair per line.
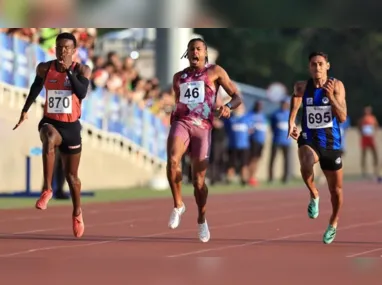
(170,44)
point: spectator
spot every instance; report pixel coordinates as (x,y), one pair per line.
(47,39)
(279,125)
(344,128)
(218,149)
(116,74)
(258,130)
(368,126)
(237,127)
(26,34)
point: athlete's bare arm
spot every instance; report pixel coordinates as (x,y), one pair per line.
(335,90)
(295,103)
(223,80)
(296,100)
(175,91)
(175,86)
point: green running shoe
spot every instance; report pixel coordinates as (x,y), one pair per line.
(313,210)
(329,234)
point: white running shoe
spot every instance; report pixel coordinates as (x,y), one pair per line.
(204,232)
(176,216)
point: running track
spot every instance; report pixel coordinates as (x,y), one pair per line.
(256,238)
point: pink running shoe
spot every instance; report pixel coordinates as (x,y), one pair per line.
(78,226)
(42,202)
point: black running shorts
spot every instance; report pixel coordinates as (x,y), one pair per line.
(70,133)
(330,159)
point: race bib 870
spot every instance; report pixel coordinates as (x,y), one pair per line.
(319,117)
(192,92)
(59,101)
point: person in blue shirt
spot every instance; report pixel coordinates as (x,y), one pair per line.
(280,141)
(258,131)
(343,129)
(237,128)
(218,155)
(323,100)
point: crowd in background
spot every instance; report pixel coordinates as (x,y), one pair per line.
(120,76)
(112,72)
(237,142)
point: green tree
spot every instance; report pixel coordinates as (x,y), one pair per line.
(261,56)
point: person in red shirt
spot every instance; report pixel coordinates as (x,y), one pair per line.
(66,83)
(368,126)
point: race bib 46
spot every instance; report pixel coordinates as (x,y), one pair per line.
(192,92)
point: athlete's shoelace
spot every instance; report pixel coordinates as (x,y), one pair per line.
(331,232)
(311,207)
(203,230)
(175,213)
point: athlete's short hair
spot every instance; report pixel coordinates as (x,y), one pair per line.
(192,41)
(319,53)
(67,36)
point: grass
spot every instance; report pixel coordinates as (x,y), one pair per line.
(114,195)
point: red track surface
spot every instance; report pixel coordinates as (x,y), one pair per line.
(256,238)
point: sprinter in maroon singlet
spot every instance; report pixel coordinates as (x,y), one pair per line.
(66,84)
(191,123)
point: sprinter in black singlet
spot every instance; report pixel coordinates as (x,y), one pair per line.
(324,108)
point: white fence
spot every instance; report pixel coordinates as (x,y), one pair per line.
(102,150)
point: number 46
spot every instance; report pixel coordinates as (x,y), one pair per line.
(194,93)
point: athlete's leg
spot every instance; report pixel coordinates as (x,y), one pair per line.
(331,165)
(71,163)
(50,139)
(200,149)
(177,143)
(199,169)
(59,176)
(308,157)
(335,180)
